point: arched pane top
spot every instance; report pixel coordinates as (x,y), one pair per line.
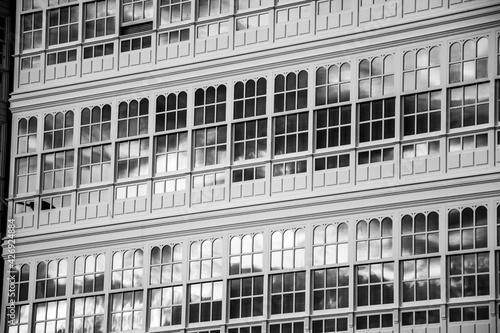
(48,124)
(182,100)
(160,103)
(389,64)
(235,245)
(319,235)
(128,258)
(247,245)
(453,219)
(217,248)
(79,263)
(302,79)
(144,106)
(117,260)
(374,228)
(199,97)
(221,93)
(249,89)
(406,224)
(59,120)
(362,230)
(239,88)
(434,56)
(433,221)
(25,272)
(85,116)
(455,52)
(178,252)
(291,81)
(258,243)
(100,262)
(206,249)
(133,108)
(386,227)
(345,72)
(377,66)
(364,68)
(155,255)
(333,74)
(62,268)
(321,76)
(122,110)
(300,237)
(138,258)
(195,250)
(331,233)
(342,234)
(288,239)
(276,240)
(22,127)
(409,60)
(420,223)
(90,264)
(422,58)
(171,102)
(469,50)
(166,254)
(482,47)
(481,216)
(467,217)
(69,119)
(106,112)
(261,86)
(279,83)
(52,269)
(41,270)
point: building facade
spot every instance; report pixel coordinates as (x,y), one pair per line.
(255,166)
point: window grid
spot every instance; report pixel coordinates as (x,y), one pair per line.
(333,127)
(330,244)
(212,29)
(21,274)
(421,113)
(330,325)
(374,321)
(166,264)
(61,57)
(99,18)
(249,174)
(98,50)
(331,162)
(171,152)
(374,239)
(469,313)
(127,270)
(288,249)
(58,130)
(50,317)
(469,275)
(252,22)
(58,169)
(171,111)
(420,234)
(209,179)
(246,254)
(210,146)
(63,25)
(165,306)
(376,76)
(421,317)
(333,84)
(89,274)
(173,37)
(416,150)
(375,284)
(250,140)
(288,293)
(134,44)
(207,8)
(421,279)
(21,322)
(331,288)
(250,98)
(205,259)
(421,68)
(205,301)
(133,158)
(95,124)
(126,311)
(375,156)
(51,278)
(133,118)
(56,202)
(137,10)
(469,105)
(377,120)
(174,11)
(87,314)
(291,133)
(469,60)
(289,168)
(32,30)
(467,228)
(467,142)
(246,297)
(26,174)
(290,91)
(95,164)
(27,135)
(210,105)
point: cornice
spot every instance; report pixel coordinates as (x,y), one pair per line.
(261,215)
(257,60)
